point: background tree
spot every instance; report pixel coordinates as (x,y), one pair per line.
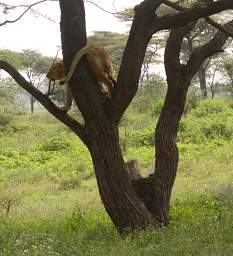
(131,204)
(228,68)
(34,65)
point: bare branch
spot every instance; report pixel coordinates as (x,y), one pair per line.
(27,9)
(183,17)
(22,14)
(101,8)
(219,27)
(133,56)
(212,47)
(74,125)
(173,48)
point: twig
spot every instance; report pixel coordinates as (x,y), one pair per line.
(101,8)
(22,14)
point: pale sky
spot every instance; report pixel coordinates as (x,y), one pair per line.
(39,33)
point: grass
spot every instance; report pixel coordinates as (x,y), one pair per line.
(47,179)
(200,225)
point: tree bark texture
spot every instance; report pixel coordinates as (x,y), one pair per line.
(121,202)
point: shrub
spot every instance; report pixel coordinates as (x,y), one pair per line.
(189,131)
(218,126)
(55,144)
(209,106)
(4,119)
(143,137)
(157,107)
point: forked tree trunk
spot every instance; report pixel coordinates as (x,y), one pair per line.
(155,191)
(131,203)
(124,207)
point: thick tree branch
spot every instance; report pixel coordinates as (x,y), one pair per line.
(212,47)
(208,19)
(145,24)
(83,84)
(219,27)
(74,125)
(182,18)
(133,56)
(172,50)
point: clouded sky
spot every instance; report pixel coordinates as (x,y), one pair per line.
(39,33)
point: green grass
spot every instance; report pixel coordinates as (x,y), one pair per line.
(200,225)
(47,176)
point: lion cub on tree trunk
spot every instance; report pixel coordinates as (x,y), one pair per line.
(99,63)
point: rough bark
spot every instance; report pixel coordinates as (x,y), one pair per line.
(124,207)
(155,191)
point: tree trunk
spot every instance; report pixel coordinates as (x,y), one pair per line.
(32,104)
(167,155)
(202,81)
(155,191)
(212,90)
(124,207)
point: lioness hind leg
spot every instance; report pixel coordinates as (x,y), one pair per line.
(105,90)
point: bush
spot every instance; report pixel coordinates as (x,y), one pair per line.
(209,107)
(142,137)
(217,127)
(189,131)
(55,144)
(157,107)
(4,119)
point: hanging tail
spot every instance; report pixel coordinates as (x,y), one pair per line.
(76,60)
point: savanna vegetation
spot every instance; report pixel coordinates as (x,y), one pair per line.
(49,199)
(63,195)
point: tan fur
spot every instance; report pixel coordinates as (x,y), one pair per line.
(99,63)
(56,71)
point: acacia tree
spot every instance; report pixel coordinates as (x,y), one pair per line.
(34,66)
(131,203)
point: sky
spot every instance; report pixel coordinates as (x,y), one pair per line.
(39,33)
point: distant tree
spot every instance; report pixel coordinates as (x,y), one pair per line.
(34,65)
(228,68)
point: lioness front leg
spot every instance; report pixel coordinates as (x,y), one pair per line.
(68,99)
